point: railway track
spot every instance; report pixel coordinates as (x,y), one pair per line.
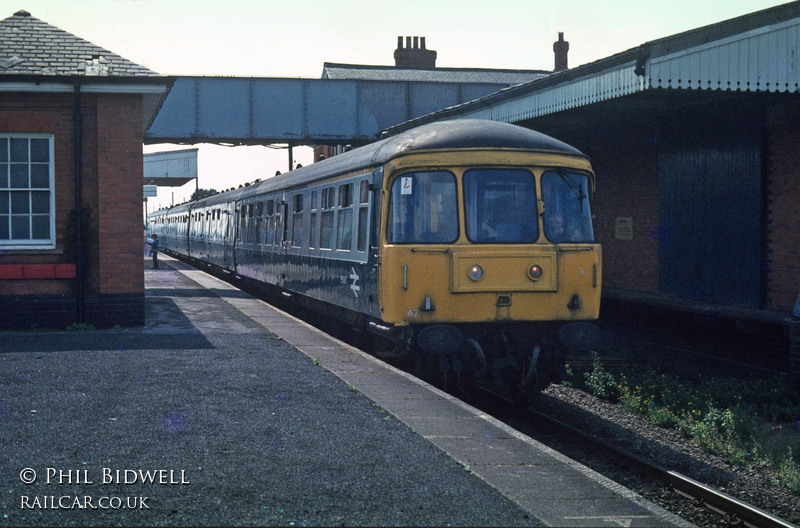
(734,511)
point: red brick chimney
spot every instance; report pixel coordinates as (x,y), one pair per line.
(413,57)
(560,48)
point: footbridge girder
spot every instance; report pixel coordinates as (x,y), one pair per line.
(260,111)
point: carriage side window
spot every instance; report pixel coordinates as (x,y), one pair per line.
(243,223)
(259,228)
(270,211)
(423,209)
(251,232)
(567,217)
(363,215)
(297,220)
(326,218)
(344,228)
(313,221)
(500,206)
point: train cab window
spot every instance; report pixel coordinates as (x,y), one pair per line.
(344,228)
(297,220)
(500,206)
(423,209)
(567,217)
(363,216)
(326,218)
(313,221)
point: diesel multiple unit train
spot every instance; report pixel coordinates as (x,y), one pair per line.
(468,244)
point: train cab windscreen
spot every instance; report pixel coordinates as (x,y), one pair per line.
(423,209)
(567,217)
(500,206)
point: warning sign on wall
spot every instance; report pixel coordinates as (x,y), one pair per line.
(623,228)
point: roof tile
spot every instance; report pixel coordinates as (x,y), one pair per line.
(29,46)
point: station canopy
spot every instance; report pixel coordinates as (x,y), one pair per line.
(170,169)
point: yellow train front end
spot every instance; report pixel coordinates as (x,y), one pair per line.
(488,258)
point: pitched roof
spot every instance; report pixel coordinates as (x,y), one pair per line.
(451,75)
(29,46)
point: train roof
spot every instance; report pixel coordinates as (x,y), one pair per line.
(453,134)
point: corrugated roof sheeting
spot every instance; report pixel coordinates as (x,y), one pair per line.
(588,90)
(763,60)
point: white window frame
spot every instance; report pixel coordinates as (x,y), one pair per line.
(32,243)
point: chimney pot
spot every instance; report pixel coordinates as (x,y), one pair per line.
(414,57)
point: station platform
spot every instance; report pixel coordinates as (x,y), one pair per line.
(223,410)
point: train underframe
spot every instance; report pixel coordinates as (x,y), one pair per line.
(514,361)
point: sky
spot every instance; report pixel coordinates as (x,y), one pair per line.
(293,38)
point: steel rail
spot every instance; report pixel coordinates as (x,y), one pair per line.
(688,487)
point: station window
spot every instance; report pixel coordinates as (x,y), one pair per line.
(27,201)
(344,228)
(326,218)
(297,220)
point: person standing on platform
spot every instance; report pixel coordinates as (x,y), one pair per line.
(153,243)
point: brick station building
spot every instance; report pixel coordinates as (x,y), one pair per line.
(72,117)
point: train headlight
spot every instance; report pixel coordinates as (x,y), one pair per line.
(476,272)
(535,272)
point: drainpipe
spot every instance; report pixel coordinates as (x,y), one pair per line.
(77,118)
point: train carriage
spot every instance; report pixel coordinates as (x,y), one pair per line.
(468,243)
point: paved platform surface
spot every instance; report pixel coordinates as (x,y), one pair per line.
(225,411)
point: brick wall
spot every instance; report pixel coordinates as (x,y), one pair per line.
(626,163)
(112,214)
(782,214)
(119,195)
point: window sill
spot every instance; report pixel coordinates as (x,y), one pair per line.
(37,271)
(31,251)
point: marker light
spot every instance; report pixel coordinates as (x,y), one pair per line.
(476,272)
(535,272)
